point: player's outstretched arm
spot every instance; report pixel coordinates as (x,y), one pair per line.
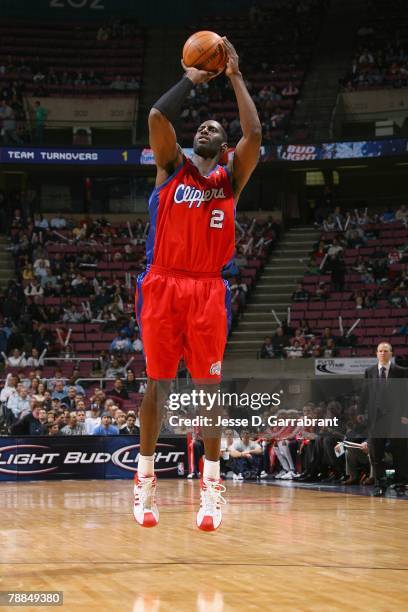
(164,113)
(246,154)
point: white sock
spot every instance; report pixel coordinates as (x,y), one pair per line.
(211,469)
(145,466)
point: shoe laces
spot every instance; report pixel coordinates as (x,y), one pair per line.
(145,491)
(211,495)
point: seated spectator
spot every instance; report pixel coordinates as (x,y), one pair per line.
(360,302)
(326,336)
(137,345)
(313,266)
(301,294)
(35,359)
(247,457)
(39,395)
(388,215)
(119,390)
(305,328)
(28,273)
(72,315)
(279,341)
(81,414)
(267,348)
(16,359)
(121,343)
(106,428)
(53,429)
(299,336)
(94,420)
(19,403)
(115,369)
(58,392)
(226,460)
(131,428)
(294,351)
(335,264)
(120,420)
(58,222)
(73,382)
(131,384)
(335,248)
(73,428)
(34,288)
(402,214)
(118,83)
(290,91)
(329,350)
(321,292)
(69,400)
(33,423)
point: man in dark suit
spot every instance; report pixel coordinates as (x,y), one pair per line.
(387,412)
(131,428)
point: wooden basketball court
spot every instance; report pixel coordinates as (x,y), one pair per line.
(278,549)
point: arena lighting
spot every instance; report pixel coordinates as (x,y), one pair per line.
(304,169)
(351,167)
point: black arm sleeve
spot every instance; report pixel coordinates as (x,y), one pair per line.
(170,102)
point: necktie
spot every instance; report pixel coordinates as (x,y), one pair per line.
(382,372)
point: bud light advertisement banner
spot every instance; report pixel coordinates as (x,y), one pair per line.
(74,457)
(342,150)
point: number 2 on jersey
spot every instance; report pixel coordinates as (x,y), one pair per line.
(217,217)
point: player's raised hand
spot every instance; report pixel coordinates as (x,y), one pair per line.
(198,76)
(233,59)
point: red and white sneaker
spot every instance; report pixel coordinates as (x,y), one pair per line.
(145,509)
(209,515)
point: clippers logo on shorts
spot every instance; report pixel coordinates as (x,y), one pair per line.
(191,195)
(215,369)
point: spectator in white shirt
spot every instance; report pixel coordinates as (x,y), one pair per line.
(137,345)
(93,421)
(16,359)
(58,222)
(34,288)
(19,403)
(247,462)
(35,360)
(9,388)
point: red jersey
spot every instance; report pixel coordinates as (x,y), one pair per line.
(192,221)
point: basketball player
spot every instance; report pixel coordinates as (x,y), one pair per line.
(182,302)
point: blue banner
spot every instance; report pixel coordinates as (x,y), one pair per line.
(70,156)
(136,156)
(68,457)
(341,150)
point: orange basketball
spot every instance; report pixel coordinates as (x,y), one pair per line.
(205,51)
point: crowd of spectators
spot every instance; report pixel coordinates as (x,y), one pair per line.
(381,57)
(380,283)
(42,71)
(72,274)
(274,42)
(12,114)
(76,273)
(33,405)
(36,72)
(300,453)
